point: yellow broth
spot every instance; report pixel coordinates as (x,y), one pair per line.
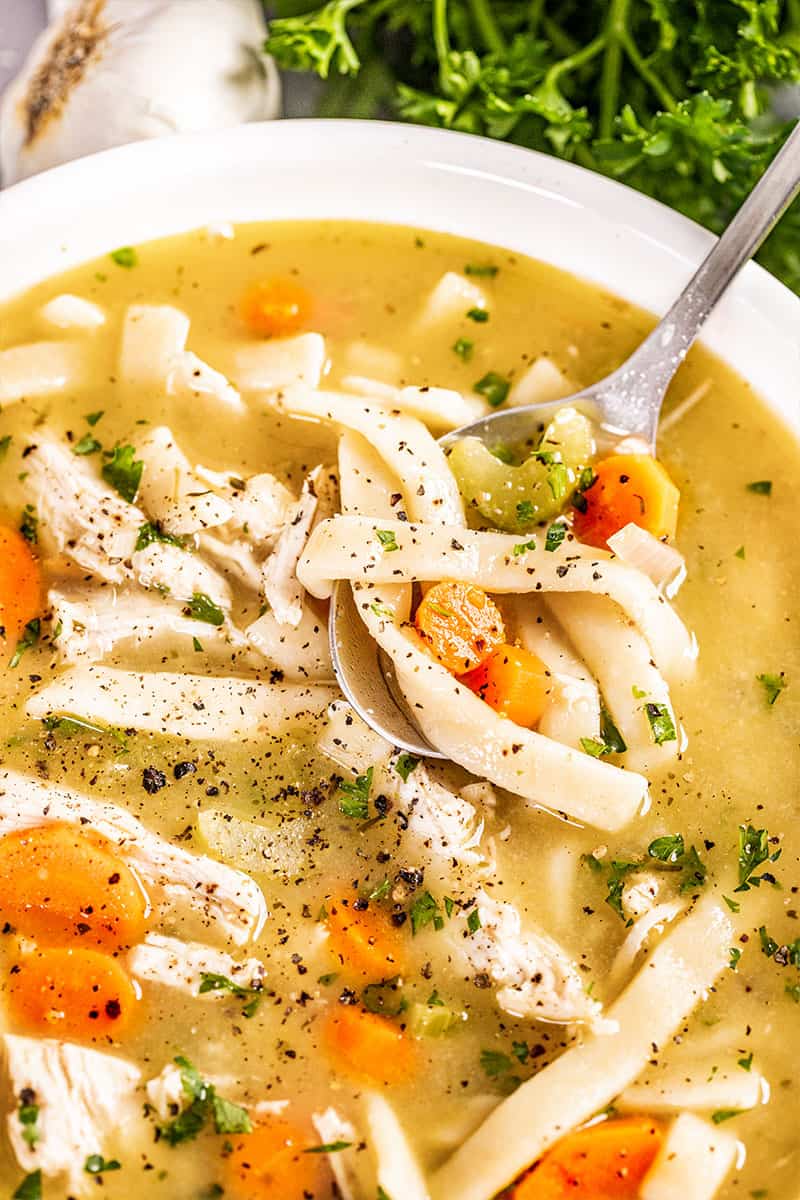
(742,763)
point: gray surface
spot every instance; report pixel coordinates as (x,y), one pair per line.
(20,21)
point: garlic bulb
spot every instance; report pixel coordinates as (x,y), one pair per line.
(106,72)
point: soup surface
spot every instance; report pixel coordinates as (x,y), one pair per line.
(387,999)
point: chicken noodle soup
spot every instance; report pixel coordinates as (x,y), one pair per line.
(249,949)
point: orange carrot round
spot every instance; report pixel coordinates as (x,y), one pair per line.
(20,584)
(368,1047)
(72,993)
(460,625)
(60,883)
(364,940)
(273,1163)
(628,489)
(514,682)
(607,1161)
(276,307)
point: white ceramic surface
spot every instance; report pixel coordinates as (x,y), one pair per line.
(521,200)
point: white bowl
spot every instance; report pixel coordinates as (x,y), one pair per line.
(370,171)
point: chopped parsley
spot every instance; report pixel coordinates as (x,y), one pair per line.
(463,347)
(126,257)
(87,445)
(381,610)
(203,608)
(754,852)
(5,443)
(661,723)
(739,553)
(197,645)
(30,1188)
(611,740)
(28,1117)
(30,637)
(328,1148)
(354,797)
(495,388)
(382,1195)
(485,270)
(95,1164)
(735,954)
(479,315)
(773,685)
(387,539)
(474,921)
(209,982)
(381,891)
(785,954)
(724,1114)
(555,535)
(761,487)
(670,851)
(524,547)
(494,1063)
(203,1103)
(733,905)
(123,472)
(150,533)
(404,765)
(745,1063)
(384,997)
(29,525)
(525,511)
(425,911)
(93,417)
(449,906)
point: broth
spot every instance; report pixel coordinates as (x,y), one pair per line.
(741,763)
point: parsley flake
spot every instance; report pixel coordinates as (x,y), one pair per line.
(354,798)
(485,270)
(387,539)
(404,765)
(203,608)
(123,472)
(125,257)
(479,315)
(95,1164)
(761,487)
(463,347)
(87,445)
(495,388)
(773,685)
(30,637)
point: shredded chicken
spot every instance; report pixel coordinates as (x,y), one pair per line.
(170,962)
(282,589)
(179,883)
(82,1096)
(534,977)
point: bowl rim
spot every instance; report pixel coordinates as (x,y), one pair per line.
(419,176)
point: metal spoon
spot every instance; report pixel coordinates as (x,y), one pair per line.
(627,402)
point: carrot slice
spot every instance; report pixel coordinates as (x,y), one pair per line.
(364,940)
(513,682)
(273,1163)
(276,307)
(628,488)
(369,1047)
(460,625)
(20,584)
(71,993)
(60,883)
(607,1161)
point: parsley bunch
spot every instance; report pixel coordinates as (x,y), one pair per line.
(672,96)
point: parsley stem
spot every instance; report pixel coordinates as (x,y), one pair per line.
(535,16)
(578,59)
(612,66)
(441,38)
(558,37)
(665,97)
(486,25)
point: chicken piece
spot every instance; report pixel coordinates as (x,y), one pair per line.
(222,901)
(170,962)
(534,977)
(82,1096)
(282,588)
(300,652)
(448,825)
(170,493)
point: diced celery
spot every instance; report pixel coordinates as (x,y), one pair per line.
(517,498)
(432,1020)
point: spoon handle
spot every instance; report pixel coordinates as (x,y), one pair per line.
(631,398)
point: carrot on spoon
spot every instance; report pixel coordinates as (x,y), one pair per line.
(606,1161)
(627,488)
(460,625)
(20,584)
(514,682)
(71,994)
(60,883)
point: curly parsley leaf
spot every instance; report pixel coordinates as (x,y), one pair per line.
(123,472)
(354,797)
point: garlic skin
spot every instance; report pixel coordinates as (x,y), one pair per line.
(107,72)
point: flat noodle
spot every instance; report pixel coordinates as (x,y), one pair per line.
(619,658)
(348,547)
(190,706)
(586,1078)
(430,491)
(398,1171)
(692,1162)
